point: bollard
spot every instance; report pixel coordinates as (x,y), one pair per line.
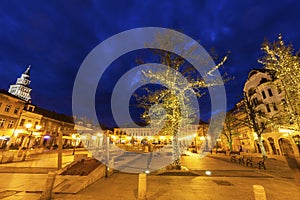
(259,192)
(146,150)
(47,193)
(142,186)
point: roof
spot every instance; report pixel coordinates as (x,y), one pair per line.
(53,115)
(27,72)
(2,91)
(255,71)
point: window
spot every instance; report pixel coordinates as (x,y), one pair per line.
(255,102)
(16,110)
(263,94)
(10,124)
(7,108)
(268,108)
(251,91)
(270,92)
(22,122)
(2,121)
(275,107)
(279,90)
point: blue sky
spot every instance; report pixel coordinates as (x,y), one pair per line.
(55,37)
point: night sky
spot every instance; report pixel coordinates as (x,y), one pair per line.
(55,36)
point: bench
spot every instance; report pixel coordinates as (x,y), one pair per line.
(221,152)
(7,157)
(207,150)
(234,153)
(256,162)
(237,158)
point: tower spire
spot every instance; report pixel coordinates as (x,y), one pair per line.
(27,72)
(22,89)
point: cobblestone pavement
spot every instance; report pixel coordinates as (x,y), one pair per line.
(226,181)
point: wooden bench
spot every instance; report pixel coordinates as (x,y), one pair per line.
(234,153)
(207,150)
(255,162)
(221,152)
(237,158)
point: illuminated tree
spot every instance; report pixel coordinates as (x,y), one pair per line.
(174,104)
(281,60)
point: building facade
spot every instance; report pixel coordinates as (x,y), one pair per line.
(24,125)
(10,111)
(191,134)
(270,103)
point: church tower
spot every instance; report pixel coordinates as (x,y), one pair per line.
(21,89)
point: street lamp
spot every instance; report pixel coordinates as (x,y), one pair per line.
(75,138)
(28,127)
(38,127)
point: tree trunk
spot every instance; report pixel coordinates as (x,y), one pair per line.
(176,151)
(230,145)
(262,148)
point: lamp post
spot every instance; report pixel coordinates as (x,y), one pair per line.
(28,128)
(107,153)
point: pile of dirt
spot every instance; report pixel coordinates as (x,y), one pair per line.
(83,167)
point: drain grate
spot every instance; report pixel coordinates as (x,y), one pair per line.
(7,193)
(180,173)
(222,182)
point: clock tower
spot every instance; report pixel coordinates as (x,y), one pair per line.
(21,89)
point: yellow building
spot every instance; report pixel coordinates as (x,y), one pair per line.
(10,111)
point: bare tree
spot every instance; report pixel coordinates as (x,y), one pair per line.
(231,124)
(255,120)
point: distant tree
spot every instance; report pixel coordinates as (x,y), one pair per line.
(280,59)
(231,125)
(255,120)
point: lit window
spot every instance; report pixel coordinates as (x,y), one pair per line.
(2,121)
(16,110)
(7,108)
(22,122)
(10,124)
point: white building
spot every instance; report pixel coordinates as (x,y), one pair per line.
(189,134)
(21,89)
(268,97)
